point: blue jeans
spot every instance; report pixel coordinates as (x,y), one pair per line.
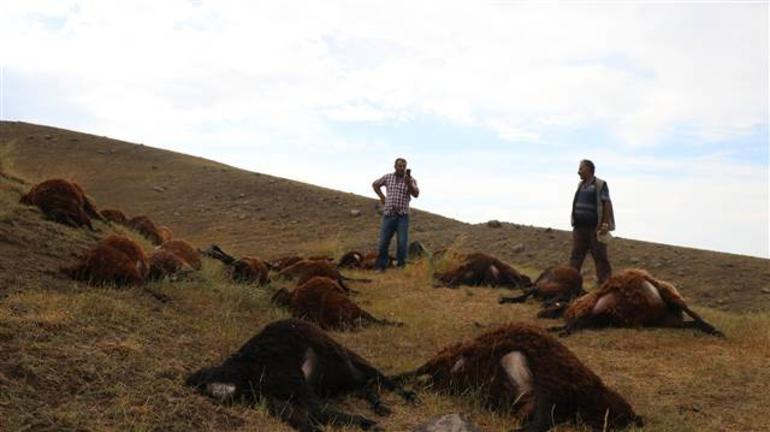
(390,225)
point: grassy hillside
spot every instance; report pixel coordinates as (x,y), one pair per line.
(74,357)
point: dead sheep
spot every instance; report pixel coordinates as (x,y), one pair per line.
(293,366)
(633,298)
(481,269)
(556,287)
(305,270)
(324,302)
(114,215)
(183,250)
(280,263)
(352,259)
(64,202)
(520,368)
(173,258)
(363,261)
(245,269)
(114,260)
(164,263)
(147,228)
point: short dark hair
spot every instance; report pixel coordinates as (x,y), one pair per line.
(399,159)
(589,164)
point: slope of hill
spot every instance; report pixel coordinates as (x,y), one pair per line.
(256,214)
(75,357)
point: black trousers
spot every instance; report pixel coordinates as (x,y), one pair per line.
(583,240)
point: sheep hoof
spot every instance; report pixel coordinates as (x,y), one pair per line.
(382,410)
(368,424)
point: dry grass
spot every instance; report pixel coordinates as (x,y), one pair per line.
(74,357)
(112,359)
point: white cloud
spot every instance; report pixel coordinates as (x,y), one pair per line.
(272,75)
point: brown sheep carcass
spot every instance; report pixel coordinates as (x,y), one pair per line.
(305,270)
(556,287)
(359,260)
(633,298)
(114,215)
(482,269)
(63,201)
(115,259)
(173,258)
(147,228)
(292,365)
(164,263)
(280,263)
(323,301)
(183,250)
(244,269)
(520,368)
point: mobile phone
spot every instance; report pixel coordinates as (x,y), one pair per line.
(409,172)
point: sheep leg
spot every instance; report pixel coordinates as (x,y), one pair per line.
(553,311)
(570,327)
(541,419)
(319,413)
(293,415)
(698,323)
(369,393)
(517,299)
(394,385)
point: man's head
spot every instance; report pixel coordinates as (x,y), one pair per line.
(400,166)
(586,169)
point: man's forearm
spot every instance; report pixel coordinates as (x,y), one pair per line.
(378,191)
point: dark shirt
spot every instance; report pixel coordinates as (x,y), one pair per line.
(585,211)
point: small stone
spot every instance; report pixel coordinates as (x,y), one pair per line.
(549,229)
(765,290)
(176,213)
(154,167)
(447,423)
(102,151)
(241,195)
(158,189)
(355,212)
(48,137)
(242,217)
(518,248)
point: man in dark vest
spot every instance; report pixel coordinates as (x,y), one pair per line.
(592,220)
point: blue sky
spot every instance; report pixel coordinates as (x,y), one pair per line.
(493,103)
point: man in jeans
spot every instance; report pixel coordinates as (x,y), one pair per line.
(400,187)
(591,215)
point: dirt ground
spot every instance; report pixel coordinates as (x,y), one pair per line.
(255,214)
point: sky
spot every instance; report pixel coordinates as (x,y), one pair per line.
(493,103)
